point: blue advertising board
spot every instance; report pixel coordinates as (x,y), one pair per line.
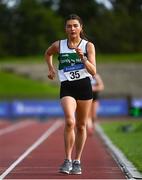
(48,108)
(4,109)
(36,108)
(113,107)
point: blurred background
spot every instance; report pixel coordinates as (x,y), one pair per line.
(28,27)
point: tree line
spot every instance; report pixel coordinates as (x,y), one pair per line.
(28,27)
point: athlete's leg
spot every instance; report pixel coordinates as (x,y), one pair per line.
(89,122)
(95,106)
(83,108)
(69,107)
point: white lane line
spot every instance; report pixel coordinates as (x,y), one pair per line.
(15,127)
(40,140)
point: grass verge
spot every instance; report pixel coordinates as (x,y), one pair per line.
(13,86)
(119,58)
(100,58)
(127,136)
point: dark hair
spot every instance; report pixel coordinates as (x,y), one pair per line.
(76,17)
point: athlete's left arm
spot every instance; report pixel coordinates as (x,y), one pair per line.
(90,64)
(90,60)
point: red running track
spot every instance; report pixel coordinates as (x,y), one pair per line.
(35,150)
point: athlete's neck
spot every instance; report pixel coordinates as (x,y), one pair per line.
(74,42)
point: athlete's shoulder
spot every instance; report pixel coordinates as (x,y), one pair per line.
(53,48)
(56,43)
(90,45)
(63,40)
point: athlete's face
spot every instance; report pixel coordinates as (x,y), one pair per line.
(73,28)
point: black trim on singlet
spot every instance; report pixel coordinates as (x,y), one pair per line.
(76,46)
(86,48)
(59,46)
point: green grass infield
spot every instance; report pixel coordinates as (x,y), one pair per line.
(127,136)
(100,58)
(13,86)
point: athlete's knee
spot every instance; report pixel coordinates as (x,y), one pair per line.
(70,123)
(81,127)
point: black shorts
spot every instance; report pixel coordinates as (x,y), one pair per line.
(79,89)
(95,96)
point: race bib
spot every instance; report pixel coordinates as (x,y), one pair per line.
(75,72)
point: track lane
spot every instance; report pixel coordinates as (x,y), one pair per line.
(15,126)
(4,123)
(15,143)
(43,162)
(31,148)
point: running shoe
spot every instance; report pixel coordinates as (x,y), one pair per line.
(76,167)
(66,167)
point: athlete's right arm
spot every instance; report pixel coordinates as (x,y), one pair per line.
(53,49)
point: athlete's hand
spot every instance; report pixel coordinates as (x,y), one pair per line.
(51,74)
(79,52)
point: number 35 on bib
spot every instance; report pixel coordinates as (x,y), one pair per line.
(75,72)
